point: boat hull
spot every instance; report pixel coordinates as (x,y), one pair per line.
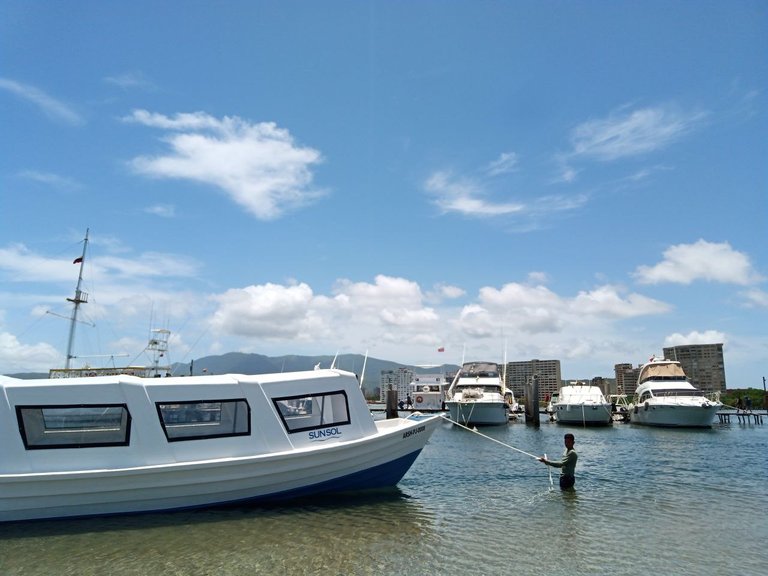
(478,413)
(680,415)
(364,464)
(582,414)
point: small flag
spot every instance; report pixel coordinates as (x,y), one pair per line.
(77,260)
(441,349)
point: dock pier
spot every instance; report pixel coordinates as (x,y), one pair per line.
(743,417)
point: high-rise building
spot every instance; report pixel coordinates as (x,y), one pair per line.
(702,363)
(395,380)
(547,371)
(626,378)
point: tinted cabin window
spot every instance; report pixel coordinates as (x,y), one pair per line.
(310,412)
(204,419)
(80,426)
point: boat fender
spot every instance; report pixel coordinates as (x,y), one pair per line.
(646,405)
(636,408)
(419,399)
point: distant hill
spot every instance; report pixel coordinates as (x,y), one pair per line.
(242,363)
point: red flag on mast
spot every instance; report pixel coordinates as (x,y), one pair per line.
(77,260)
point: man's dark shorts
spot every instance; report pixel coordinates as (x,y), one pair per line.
(567,481)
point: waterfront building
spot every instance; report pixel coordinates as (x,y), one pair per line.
(626,378)
(547,371)
(395,380)
(702,363)
(606,385)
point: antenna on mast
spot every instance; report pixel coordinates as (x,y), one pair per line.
(362,376)
(79,298)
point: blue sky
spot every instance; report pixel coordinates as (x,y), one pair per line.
(583,181)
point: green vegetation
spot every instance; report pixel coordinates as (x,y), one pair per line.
(731,398)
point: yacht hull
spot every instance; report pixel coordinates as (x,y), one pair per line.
(471,413)
(583,414)
(680,415)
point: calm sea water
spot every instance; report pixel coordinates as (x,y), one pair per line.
(647,501)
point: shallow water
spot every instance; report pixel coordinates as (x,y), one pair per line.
(647,501)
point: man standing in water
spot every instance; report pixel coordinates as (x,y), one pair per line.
(567,464)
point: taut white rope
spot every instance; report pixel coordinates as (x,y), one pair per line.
(492,439)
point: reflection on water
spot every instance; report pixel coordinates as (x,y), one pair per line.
(646,501)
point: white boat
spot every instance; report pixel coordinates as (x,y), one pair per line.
(665,397)
(581,404)
(619,407)
(123,444)
(478,396)
(551,404)
(427,392)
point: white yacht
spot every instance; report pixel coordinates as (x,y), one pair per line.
(427,392)
(581,404)
(665,397)
(478,396)
(124,444)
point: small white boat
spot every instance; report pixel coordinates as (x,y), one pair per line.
(124,444)
(665,397)
(581,404)
(478,396)
(427,392)
(619,407)
(551,404)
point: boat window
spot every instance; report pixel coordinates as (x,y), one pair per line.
(310,412)
(78,426)
(204,419)
(678,392)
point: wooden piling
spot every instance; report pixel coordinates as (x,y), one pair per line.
(391,407)
(532,411)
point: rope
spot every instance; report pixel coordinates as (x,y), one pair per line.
(549,469)
(491,439)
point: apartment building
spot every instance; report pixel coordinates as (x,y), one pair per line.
(626,378)
(395,380)
(702,363)
(547,371)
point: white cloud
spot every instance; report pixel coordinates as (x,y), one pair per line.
(756,298)
(162,210)
(687,263)
(389,308)
(537,309)
(130,80)
(465,197)
(505,163)
(269,311)
(442,292)
(50,179)
(706,337)
(259,166)
(18,357)
(390,316)
(632,133)
(538,277)
(51,107)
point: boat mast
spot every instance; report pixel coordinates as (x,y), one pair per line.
(80,298)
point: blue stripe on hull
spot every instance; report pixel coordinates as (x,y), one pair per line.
(381,476)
